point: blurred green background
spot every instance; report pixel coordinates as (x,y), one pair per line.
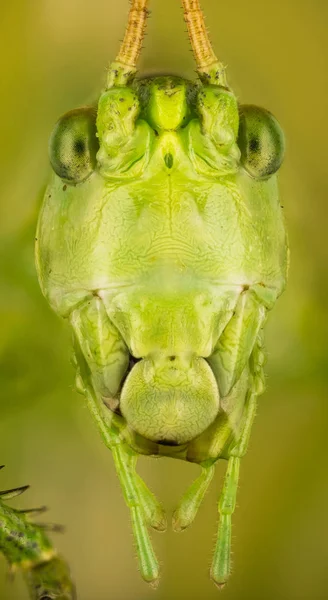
(53,57)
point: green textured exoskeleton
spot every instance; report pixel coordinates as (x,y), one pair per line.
(27,547)
(161,240)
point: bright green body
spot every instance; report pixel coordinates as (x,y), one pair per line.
(166,260)
(168,248)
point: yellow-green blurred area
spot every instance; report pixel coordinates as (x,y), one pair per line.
(54,55)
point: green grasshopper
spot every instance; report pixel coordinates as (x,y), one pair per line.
(162,241)
(27,547)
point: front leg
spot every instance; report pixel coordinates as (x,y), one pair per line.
(144,508)
(102,360)
(103,348)
(234,347)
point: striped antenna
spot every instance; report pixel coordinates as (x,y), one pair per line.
(209,68)
(125,65)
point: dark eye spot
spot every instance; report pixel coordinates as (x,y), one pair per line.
(254,145)
(79,147)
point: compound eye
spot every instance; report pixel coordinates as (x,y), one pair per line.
(261,142)
(73,145)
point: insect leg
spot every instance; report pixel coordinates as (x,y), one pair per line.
(124,460)
(186,512)
(236,343)
(220,569)
(221,561)
(102,347)
(153,510)
(147,560)
(102,359)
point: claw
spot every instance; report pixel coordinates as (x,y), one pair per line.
(220,586)
(8,494)
(154,584)
(177,525)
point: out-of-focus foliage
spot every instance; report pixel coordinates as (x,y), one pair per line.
(53,57)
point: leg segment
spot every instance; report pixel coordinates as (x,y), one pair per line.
(91,328)
(102,346)
(140,502)
(153,510)
(220,568)
(239,450)
(221,561)
(147,560)
(233,349)
(186,512)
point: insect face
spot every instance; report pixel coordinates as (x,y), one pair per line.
(161,239)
